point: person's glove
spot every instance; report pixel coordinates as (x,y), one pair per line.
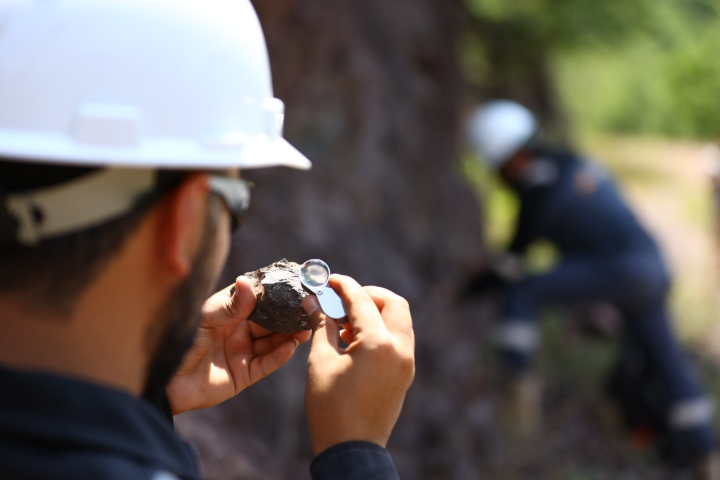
(481,283)
(502,272)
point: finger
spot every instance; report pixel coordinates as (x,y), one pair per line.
(326,333)
(363,314)
(302,336)
(258,331)
(222,309)
(347,336)
(264,365)
(264,345)
(394,309)
(243,301)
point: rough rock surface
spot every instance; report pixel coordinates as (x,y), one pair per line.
(279,297)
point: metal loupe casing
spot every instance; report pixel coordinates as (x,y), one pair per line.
(314,276)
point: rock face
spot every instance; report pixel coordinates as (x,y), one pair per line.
(279,297)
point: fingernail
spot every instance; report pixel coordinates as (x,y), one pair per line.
(297,342)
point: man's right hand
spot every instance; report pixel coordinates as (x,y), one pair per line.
(356,393)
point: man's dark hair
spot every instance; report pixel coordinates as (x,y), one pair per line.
(52,275)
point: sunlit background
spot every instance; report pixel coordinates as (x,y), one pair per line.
(376,93)
(634,86)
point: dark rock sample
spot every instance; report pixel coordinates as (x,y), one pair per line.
(279,297)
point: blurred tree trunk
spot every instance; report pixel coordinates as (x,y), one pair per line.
(373,95)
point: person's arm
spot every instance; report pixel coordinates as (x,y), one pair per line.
(354,395)
(524,230)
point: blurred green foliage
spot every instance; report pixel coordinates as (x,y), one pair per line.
(632,66)
(566,23)
(501,206)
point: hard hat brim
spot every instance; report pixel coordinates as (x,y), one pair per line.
(263,152)
(259,152)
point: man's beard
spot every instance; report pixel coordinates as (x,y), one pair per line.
(172,334)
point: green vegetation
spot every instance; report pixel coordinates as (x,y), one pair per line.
(623,76)
(665,81)
(568,357)
(500,206)
(637,66)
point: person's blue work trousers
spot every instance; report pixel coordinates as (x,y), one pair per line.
(637,285)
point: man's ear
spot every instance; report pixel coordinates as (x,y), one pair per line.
(182,217)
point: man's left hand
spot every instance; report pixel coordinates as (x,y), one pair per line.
(229,353)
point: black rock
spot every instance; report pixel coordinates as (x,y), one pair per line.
(279,295)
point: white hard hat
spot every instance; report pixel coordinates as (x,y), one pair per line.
(498,129)
(180,84)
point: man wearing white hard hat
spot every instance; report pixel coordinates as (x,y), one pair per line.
(606,255)
(124,125)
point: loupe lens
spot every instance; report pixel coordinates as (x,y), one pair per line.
(314,273)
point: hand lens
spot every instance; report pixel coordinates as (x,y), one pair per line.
(314,276)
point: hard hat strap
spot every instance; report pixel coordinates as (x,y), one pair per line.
(95,199)
(79,204)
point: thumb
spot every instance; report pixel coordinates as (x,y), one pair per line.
(229,305)
(326,333)
(243,299)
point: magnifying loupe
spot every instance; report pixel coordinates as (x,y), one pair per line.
(314,276)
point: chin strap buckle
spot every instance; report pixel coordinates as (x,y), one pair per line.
(77,205)
(29,217)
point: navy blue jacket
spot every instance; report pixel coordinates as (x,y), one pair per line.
(574,205)
(53,427)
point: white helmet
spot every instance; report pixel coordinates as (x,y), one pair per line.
(139,83)
(134,86)
(498,129)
